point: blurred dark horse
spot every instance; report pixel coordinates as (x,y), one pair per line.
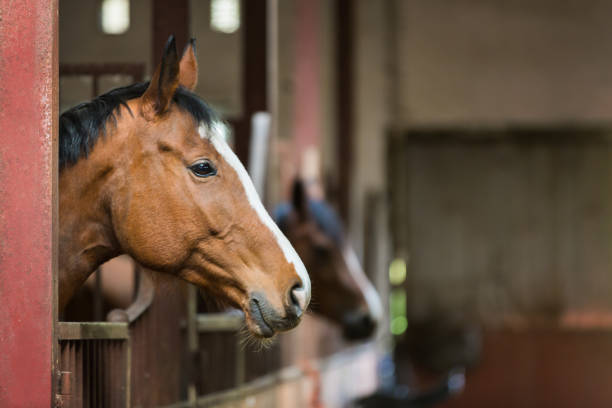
(341,291)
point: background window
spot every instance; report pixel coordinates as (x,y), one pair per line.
(115,16)
(225,15)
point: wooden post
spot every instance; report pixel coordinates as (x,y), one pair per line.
(169,17)
(254,17)
(344,102)
(307,115)
(28,200)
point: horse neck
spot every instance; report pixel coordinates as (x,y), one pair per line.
(86,238)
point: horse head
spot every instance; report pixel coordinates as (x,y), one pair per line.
(344,294)
(145,171)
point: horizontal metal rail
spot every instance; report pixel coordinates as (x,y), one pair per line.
(210,322)
(144,298)
(92,331)
(284,375)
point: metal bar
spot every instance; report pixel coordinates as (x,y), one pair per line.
(272,190)
(240,362)
(144,299)
(97,379)
(93,364)
(28,200)
(92,330)
(192,342)
(192,318)
(70,377)
(97,296)
(112,373)
(85,373)
(281,376)
(210,322)
(134,70)
(136,271)
(127,361)
(78,375)
(106,368)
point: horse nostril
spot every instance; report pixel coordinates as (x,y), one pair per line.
(358,326)
(297,295)
(367,322)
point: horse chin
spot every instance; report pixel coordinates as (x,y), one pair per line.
(260,330)
(256,322)
(253,336)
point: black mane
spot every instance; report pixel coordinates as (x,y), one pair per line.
(80,126)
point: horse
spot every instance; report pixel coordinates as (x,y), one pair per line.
(145,171)
(344,295)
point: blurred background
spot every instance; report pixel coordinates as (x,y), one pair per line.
(465,146)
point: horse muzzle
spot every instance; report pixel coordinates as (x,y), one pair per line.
(265,321)
(358,325)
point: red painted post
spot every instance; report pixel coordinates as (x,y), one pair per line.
(28,209)
(307,104)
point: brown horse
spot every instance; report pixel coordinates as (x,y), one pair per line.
(343,293)
(145,171)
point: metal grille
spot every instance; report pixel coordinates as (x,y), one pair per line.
(94,365)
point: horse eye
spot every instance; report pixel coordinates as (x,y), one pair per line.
(203,169)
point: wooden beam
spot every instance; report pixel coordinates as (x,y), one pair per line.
(212,322)
(92,331)
(169,18)
(344,101)
(254,72)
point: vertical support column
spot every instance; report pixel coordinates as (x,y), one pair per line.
(344,78)
(28,200)
(169,17)
(307,115)
(254,16)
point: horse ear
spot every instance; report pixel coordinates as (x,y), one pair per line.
(158,95)
(299,199)
(188,72)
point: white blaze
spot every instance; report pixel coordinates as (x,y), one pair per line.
(214,134)
(371,296)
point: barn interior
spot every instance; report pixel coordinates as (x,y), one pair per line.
(465,146)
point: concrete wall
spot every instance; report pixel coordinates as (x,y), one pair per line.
(495,61)
(510,227)
(498,225)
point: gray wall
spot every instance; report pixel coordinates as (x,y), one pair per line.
(509,227)
(503,228)
(82,40)
(496,61)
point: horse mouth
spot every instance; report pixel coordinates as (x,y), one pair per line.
(262,327)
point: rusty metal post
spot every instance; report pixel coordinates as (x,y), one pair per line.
(28,205)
